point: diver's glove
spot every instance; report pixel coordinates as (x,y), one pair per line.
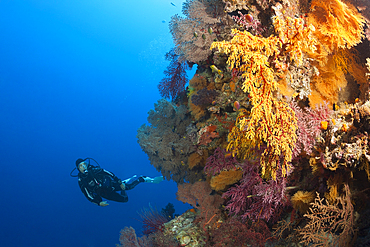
(103,203)
(155,180)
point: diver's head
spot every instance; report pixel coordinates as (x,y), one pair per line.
(81,165)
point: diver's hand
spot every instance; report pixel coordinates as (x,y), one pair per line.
(123,186)
(103,203)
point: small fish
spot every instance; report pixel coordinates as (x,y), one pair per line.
(203,36)
(173,4)
(214,109)
(324,125)
(210,30)
(215,69)
(228,155)
(163,21)
(236,105)
(195,34)
(182,163)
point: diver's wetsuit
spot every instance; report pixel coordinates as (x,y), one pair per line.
(96,183)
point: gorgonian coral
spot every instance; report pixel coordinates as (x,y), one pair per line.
(175,76)
(166,143)
(194,34)
(204,97)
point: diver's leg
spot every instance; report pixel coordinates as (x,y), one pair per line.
(133,184)
(116,186)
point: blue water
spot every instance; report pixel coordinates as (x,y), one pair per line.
(77,79)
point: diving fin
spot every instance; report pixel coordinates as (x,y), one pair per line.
(155,180)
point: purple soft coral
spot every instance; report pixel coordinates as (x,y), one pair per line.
(219,161)
(308,121)
(255,198)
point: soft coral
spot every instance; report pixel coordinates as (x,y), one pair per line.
(254,198)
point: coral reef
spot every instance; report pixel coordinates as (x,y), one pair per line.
(152,219)
(199,196)
(166,143)
(269,144)
(184,229)
(330,224)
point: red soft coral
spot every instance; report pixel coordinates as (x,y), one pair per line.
(234,233)
(174,82)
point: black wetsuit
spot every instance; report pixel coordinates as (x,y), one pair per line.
(96,183)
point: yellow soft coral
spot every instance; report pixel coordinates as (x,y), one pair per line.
(271,120)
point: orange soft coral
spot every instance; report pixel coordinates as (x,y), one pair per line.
(301,200)
(196,111)
(331,78)
(195,159)
(337,24)
(338,27)
(225,178)
(327,85)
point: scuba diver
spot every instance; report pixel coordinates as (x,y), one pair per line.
(97,183)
